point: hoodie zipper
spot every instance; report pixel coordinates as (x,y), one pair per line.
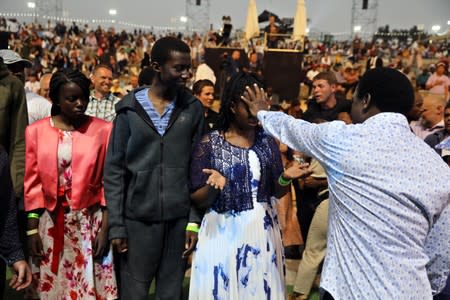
(161,151)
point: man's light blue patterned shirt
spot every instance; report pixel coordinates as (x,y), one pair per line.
(389,217)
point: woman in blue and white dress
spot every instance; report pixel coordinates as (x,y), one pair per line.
(236,173)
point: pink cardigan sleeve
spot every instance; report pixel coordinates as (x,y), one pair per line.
(33,194)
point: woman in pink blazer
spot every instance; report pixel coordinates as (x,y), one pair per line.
(64,198)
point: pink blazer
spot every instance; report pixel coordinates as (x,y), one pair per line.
(88,156)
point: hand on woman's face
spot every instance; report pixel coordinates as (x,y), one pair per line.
(256,99)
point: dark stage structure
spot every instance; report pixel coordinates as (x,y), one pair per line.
(281,68)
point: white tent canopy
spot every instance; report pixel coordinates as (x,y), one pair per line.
(299,21)
(251,24)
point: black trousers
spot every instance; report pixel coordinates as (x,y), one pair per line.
(306,205)
(154,253)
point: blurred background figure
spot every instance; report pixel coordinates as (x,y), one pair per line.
(438,83)
(204,91)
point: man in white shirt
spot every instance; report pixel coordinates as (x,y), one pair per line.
(432,116)
(45,85)
(389,210)
(39,105)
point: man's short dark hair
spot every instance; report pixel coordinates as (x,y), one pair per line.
(327,76)
(101,66)
(389,89)
(163,47)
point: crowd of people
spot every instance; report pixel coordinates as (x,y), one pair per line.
(55,46)
(114,171)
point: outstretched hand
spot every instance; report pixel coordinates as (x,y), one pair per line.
(215,179)
(256,99)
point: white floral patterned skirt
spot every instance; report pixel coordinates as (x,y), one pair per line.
(239,256)
(79,276)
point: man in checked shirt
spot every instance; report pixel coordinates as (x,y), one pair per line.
(102,101)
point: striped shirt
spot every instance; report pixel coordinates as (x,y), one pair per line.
(160,121)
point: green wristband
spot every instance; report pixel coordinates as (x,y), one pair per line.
(192,227)
(283,182)
(33,216)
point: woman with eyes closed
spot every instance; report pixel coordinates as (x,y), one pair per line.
(64,198)
(236,174)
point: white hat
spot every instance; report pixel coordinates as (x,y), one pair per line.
(10,57)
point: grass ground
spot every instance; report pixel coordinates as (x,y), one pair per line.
(13,295)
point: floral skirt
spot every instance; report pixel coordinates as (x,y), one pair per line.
(79,276)
(239,256)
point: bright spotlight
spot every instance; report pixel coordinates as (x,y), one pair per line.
(113,12)
(435,28)
(31,5)
(183,19)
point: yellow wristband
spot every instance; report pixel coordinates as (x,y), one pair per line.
(32,231)
(193,227)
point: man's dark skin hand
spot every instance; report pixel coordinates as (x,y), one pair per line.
(256,99)
(311,182)
(191,242)
(120,244)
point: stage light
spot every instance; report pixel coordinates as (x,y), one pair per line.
(435,28)
(183,19)
(31,5)
(357,28)
(113,12)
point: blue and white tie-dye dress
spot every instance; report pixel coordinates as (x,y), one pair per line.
(239,255)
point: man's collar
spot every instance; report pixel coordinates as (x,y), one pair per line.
(438,125)
(107,97)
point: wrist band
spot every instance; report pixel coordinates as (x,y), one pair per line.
(32,231)
(193,227)
(33,216)
(283,182)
